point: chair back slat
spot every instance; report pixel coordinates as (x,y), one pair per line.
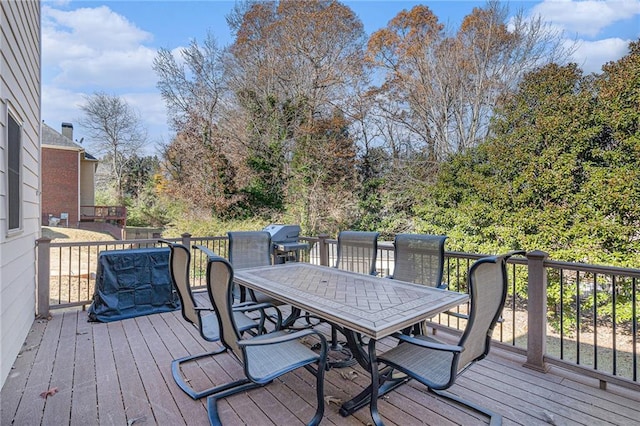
(248,249)
(220,290)
(487,294)
(179,261)
(419,258)
(357,251)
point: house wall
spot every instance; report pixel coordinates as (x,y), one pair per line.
(60,184)
(87,183)
(20,93)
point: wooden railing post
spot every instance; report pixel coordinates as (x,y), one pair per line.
(186,240)
(323,248)
(44,271)
(537,311)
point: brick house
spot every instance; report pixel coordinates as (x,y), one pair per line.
(68,177)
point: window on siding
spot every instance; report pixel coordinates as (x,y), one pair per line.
(14,178)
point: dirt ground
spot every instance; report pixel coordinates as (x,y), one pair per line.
(72,269)
(65,235)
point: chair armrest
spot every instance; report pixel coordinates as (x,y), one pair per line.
(243,304)
(428,344)
(252,306)
(281,337)
(241,307)
(465,316)
(457,314)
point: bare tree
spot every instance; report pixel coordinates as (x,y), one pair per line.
(292,67)
(297,49)
(197,159)
(191,85)
(116,133)
(447,86)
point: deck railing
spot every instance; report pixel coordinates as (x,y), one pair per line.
(577,316)
(113,214)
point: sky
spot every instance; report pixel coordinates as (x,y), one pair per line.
(109,46)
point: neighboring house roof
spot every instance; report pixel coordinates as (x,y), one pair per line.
(53,139)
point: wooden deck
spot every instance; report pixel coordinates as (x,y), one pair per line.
(119,373)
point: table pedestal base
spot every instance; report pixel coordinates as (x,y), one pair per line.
(364,397)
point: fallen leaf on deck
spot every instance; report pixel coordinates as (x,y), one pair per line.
(137,419)
(329,399)
(351,375)
(48,393)
(548,417)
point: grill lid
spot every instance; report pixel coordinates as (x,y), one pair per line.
(281,233)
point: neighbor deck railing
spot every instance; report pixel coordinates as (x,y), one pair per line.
(577,316)
(104,213)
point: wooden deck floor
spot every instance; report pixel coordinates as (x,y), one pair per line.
(119,374)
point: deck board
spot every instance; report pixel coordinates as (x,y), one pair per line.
(115,373)
(57,409)
(31,406)
(19,375)
(109,401)
(162,403)
(84,411)
(136,403)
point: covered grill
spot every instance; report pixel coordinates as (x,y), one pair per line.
(286,246)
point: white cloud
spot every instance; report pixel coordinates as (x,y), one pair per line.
(98,27)
(95,46)
(95,49)
(586,18)
(110,69)
(61,105)
(591,55)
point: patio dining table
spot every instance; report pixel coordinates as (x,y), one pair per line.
(362,305)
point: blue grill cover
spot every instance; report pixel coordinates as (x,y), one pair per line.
(131,283)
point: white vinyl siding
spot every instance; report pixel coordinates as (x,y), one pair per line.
(20,52)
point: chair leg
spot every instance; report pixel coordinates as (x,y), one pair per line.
(495,418)
(245,385)
(317,418)
(177,375)
(230,389)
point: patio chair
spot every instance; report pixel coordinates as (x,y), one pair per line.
(249,249)
(419,259)
(357,252)
(203,318)
(437,365)
(264,357)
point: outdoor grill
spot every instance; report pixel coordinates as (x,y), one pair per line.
(286,246)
